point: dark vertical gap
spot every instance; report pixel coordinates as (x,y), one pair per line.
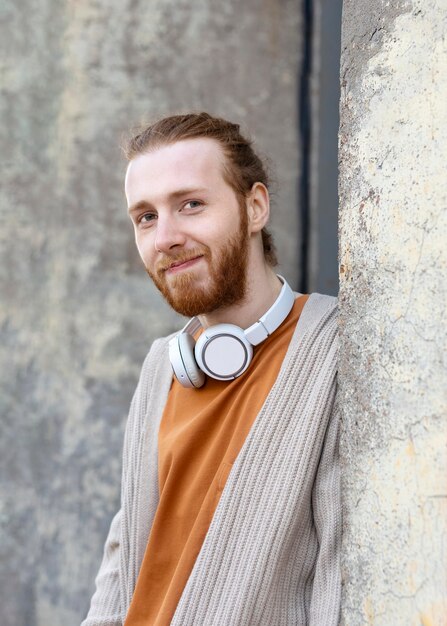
(304,125)
(325,210)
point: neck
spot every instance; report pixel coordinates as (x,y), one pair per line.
(263,288)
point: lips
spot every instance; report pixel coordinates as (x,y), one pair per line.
(182,263)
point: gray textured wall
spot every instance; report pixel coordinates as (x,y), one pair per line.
(78,312)
(393,280)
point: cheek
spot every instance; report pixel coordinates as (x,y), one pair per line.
(144,247)
(216,232)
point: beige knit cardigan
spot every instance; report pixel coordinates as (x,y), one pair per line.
(271,555)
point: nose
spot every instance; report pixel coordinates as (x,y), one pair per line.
(168,234)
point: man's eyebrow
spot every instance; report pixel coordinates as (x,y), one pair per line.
(144,204)
(138,206)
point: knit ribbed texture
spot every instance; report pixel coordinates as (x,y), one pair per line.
(127,538)
(271,555)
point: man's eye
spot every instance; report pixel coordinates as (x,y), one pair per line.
(147,218)
(193,204)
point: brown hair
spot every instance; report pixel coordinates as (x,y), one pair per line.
(243,167)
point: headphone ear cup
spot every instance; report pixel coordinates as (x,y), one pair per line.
(223,352)
(181,355)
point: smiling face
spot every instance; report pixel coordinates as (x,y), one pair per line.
(191,230)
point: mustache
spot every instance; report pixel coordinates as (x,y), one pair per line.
(168,261)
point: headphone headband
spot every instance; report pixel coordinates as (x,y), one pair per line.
(274,317)
(267,324)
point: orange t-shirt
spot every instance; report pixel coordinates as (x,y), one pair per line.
(201,434)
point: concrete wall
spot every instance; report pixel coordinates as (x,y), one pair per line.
(393,227)
(78,311)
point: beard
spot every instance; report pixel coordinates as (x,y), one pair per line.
(227,269)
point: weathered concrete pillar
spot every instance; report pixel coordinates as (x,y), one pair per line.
(393,227)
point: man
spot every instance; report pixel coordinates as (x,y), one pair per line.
(230,502)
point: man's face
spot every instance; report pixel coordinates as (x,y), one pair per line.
(190,228)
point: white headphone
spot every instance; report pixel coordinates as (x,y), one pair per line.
(224,351)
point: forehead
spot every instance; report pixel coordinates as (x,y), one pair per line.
(190,162)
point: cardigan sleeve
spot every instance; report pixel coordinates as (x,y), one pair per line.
(105,607)
(114,587)
(326,505)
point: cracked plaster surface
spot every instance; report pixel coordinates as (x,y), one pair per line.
(393,270)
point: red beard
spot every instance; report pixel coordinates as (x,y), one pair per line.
(227,273)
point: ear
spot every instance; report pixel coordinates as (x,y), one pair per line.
(258,208)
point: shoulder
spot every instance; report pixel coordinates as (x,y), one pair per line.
(154,381)
(317,327)
(158,354)
(321,303)
(319,311)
